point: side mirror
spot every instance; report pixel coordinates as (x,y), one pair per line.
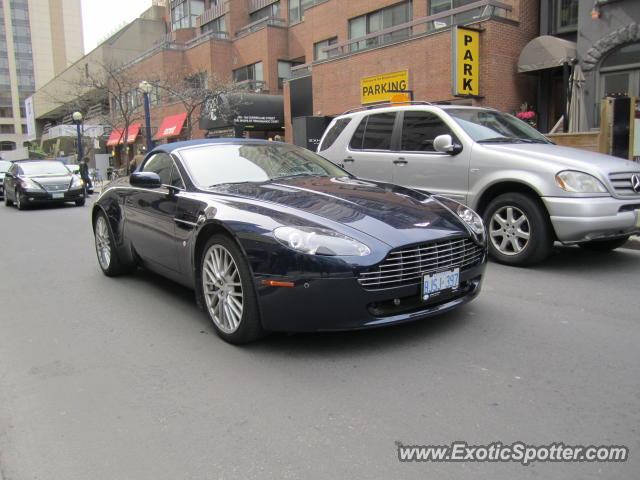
(145,180)
(444,144)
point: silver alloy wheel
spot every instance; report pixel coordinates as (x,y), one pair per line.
(509,230)
(222,288)
(103,243)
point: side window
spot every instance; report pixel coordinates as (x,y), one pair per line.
(162,164)
(374,132)
(377,135)
(419,129)
(334,132)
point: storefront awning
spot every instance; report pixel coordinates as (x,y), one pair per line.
(171,126)
(116,137)
(545,52)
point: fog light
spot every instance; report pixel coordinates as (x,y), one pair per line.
(396,301)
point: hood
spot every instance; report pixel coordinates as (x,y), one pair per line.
(394,215)
(565,157)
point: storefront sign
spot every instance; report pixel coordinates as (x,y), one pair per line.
(466,63)
(381,88)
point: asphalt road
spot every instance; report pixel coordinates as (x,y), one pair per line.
(124,378)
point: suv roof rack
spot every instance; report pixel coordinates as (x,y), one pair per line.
(384,105)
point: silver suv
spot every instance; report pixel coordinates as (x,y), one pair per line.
(529,191)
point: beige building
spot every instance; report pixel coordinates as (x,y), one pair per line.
(38,40)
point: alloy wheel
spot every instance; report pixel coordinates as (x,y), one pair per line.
(509,230)
(103,244)
(222,288)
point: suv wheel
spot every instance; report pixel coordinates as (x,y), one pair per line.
(519,230)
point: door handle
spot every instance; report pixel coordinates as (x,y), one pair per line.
(400,161)
(348,160)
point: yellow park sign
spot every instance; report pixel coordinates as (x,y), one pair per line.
(466,62)
(382,88)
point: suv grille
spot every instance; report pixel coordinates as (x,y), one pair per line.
(621,182)
(406,266)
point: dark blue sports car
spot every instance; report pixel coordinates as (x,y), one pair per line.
(274,237)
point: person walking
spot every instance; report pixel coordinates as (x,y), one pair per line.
(84,174)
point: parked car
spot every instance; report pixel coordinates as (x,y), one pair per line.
(274,237)
(4,166)
(30,182)
(529,191)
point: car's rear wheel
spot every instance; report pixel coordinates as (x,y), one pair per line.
(519,230)
(21,202)
(604,245)
(228,292)
(80,202)
(108,259)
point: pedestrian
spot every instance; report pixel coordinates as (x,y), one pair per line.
(84,174)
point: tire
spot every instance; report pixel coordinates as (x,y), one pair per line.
(227,290)
(519,230)
(604,245)
(108,259)
(20,202)
(81,202)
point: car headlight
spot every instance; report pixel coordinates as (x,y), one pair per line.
(77,182)
(28,184)
(320,241)
(471,218)
(579,182)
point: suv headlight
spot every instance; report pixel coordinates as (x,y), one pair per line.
(77,182)
(28,184)
(579,182)
(320,241)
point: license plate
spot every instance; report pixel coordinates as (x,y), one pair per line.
(57,195)
(432,284)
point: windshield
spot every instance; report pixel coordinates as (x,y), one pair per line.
(4,166)
(47,167)
(212,165)
(489,126)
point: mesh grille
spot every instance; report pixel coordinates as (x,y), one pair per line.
(406,266)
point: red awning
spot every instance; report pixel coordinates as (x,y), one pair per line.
(116,135)
(171,126)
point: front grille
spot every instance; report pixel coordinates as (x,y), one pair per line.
(406,266)
(56,187)
(621,182)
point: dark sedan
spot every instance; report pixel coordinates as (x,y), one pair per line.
(30,182)
(274,237)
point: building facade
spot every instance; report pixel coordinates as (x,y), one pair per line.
(38,40)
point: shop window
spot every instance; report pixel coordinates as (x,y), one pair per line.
(379,20)
(318,54)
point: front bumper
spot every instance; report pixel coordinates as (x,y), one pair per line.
(583,219)
(325,304)
(49,197)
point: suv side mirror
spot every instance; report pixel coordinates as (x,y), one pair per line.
(145,180)
(444,144)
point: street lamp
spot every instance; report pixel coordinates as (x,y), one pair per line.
(145,87)
(77,117)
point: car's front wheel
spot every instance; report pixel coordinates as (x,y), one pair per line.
(604,245)
(110,263)
(227,289)
(21,202)
(519,230)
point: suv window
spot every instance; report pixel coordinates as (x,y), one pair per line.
(163,165)
(334,132)
(419,129)
(374,132)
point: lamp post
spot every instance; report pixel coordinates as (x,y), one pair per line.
(77,117)
(145,87)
